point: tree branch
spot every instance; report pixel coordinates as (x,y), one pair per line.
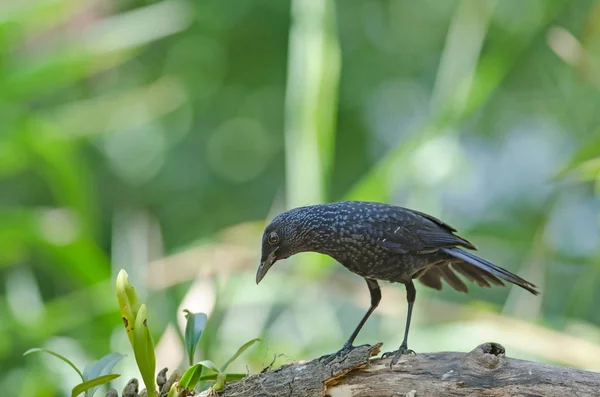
(485,371)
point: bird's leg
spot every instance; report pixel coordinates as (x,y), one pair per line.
(411,294)
(375,299)
(375,292)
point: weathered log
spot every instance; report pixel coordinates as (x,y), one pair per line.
(485,371)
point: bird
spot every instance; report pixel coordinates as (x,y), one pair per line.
(382,242)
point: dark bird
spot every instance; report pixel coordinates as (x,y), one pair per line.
(381,242)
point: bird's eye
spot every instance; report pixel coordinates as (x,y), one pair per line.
(273,238)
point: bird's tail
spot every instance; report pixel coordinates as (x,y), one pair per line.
(488,267)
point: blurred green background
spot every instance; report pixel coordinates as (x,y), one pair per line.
(160,136)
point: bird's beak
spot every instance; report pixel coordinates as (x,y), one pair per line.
(265,266)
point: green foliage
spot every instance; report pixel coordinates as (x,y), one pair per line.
(90,386)
(102,366)
(94,374)
(99,371)
(190,378)
(195,323)
(136,131)
(135,320)
(194,374)
(63,358)
(239,351)
(173,390)
(129,304)
(143,347)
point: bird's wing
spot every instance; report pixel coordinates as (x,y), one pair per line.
(411,231)
(435,220)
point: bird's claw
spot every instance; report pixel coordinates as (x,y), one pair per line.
(344,351)
(403,350)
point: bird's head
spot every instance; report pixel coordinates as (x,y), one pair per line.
(282,238)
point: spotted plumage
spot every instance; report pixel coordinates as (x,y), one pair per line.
(382,242)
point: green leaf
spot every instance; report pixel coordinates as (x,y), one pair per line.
(220,383)
(192,375)
(129,303)
(173,390)
(143,349)
(39,349)
(210,365)
(92,384)
(100,368)
(193,330)
(192,382)
(151,359)
(242,349)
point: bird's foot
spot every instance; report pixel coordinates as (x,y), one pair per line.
(397,354)
(344,351)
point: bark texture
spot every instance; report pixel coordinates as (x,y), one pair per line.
(485,371)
